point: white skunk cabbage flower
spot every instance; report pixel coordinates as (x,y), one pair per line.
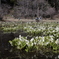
(32,40)
(57,28)
(20,37)
(51,38)
(27,42)
(57,41)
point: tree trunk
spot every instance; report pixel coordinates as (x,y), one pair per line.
(56,5)
(0,3)
(37,8)
(38,11)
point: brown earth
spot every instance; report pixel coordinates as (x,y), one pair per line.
(11,19)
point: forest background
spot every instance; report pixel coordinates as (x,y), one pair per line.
(29,8)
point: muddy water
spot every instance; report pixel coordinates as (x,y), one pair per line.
(7,52)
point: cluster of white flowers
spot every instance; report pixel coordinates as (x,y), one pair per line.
(36,41)
(43,35)
(42,28)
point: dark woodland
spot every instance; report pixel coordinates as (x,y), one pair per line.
(29,8)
